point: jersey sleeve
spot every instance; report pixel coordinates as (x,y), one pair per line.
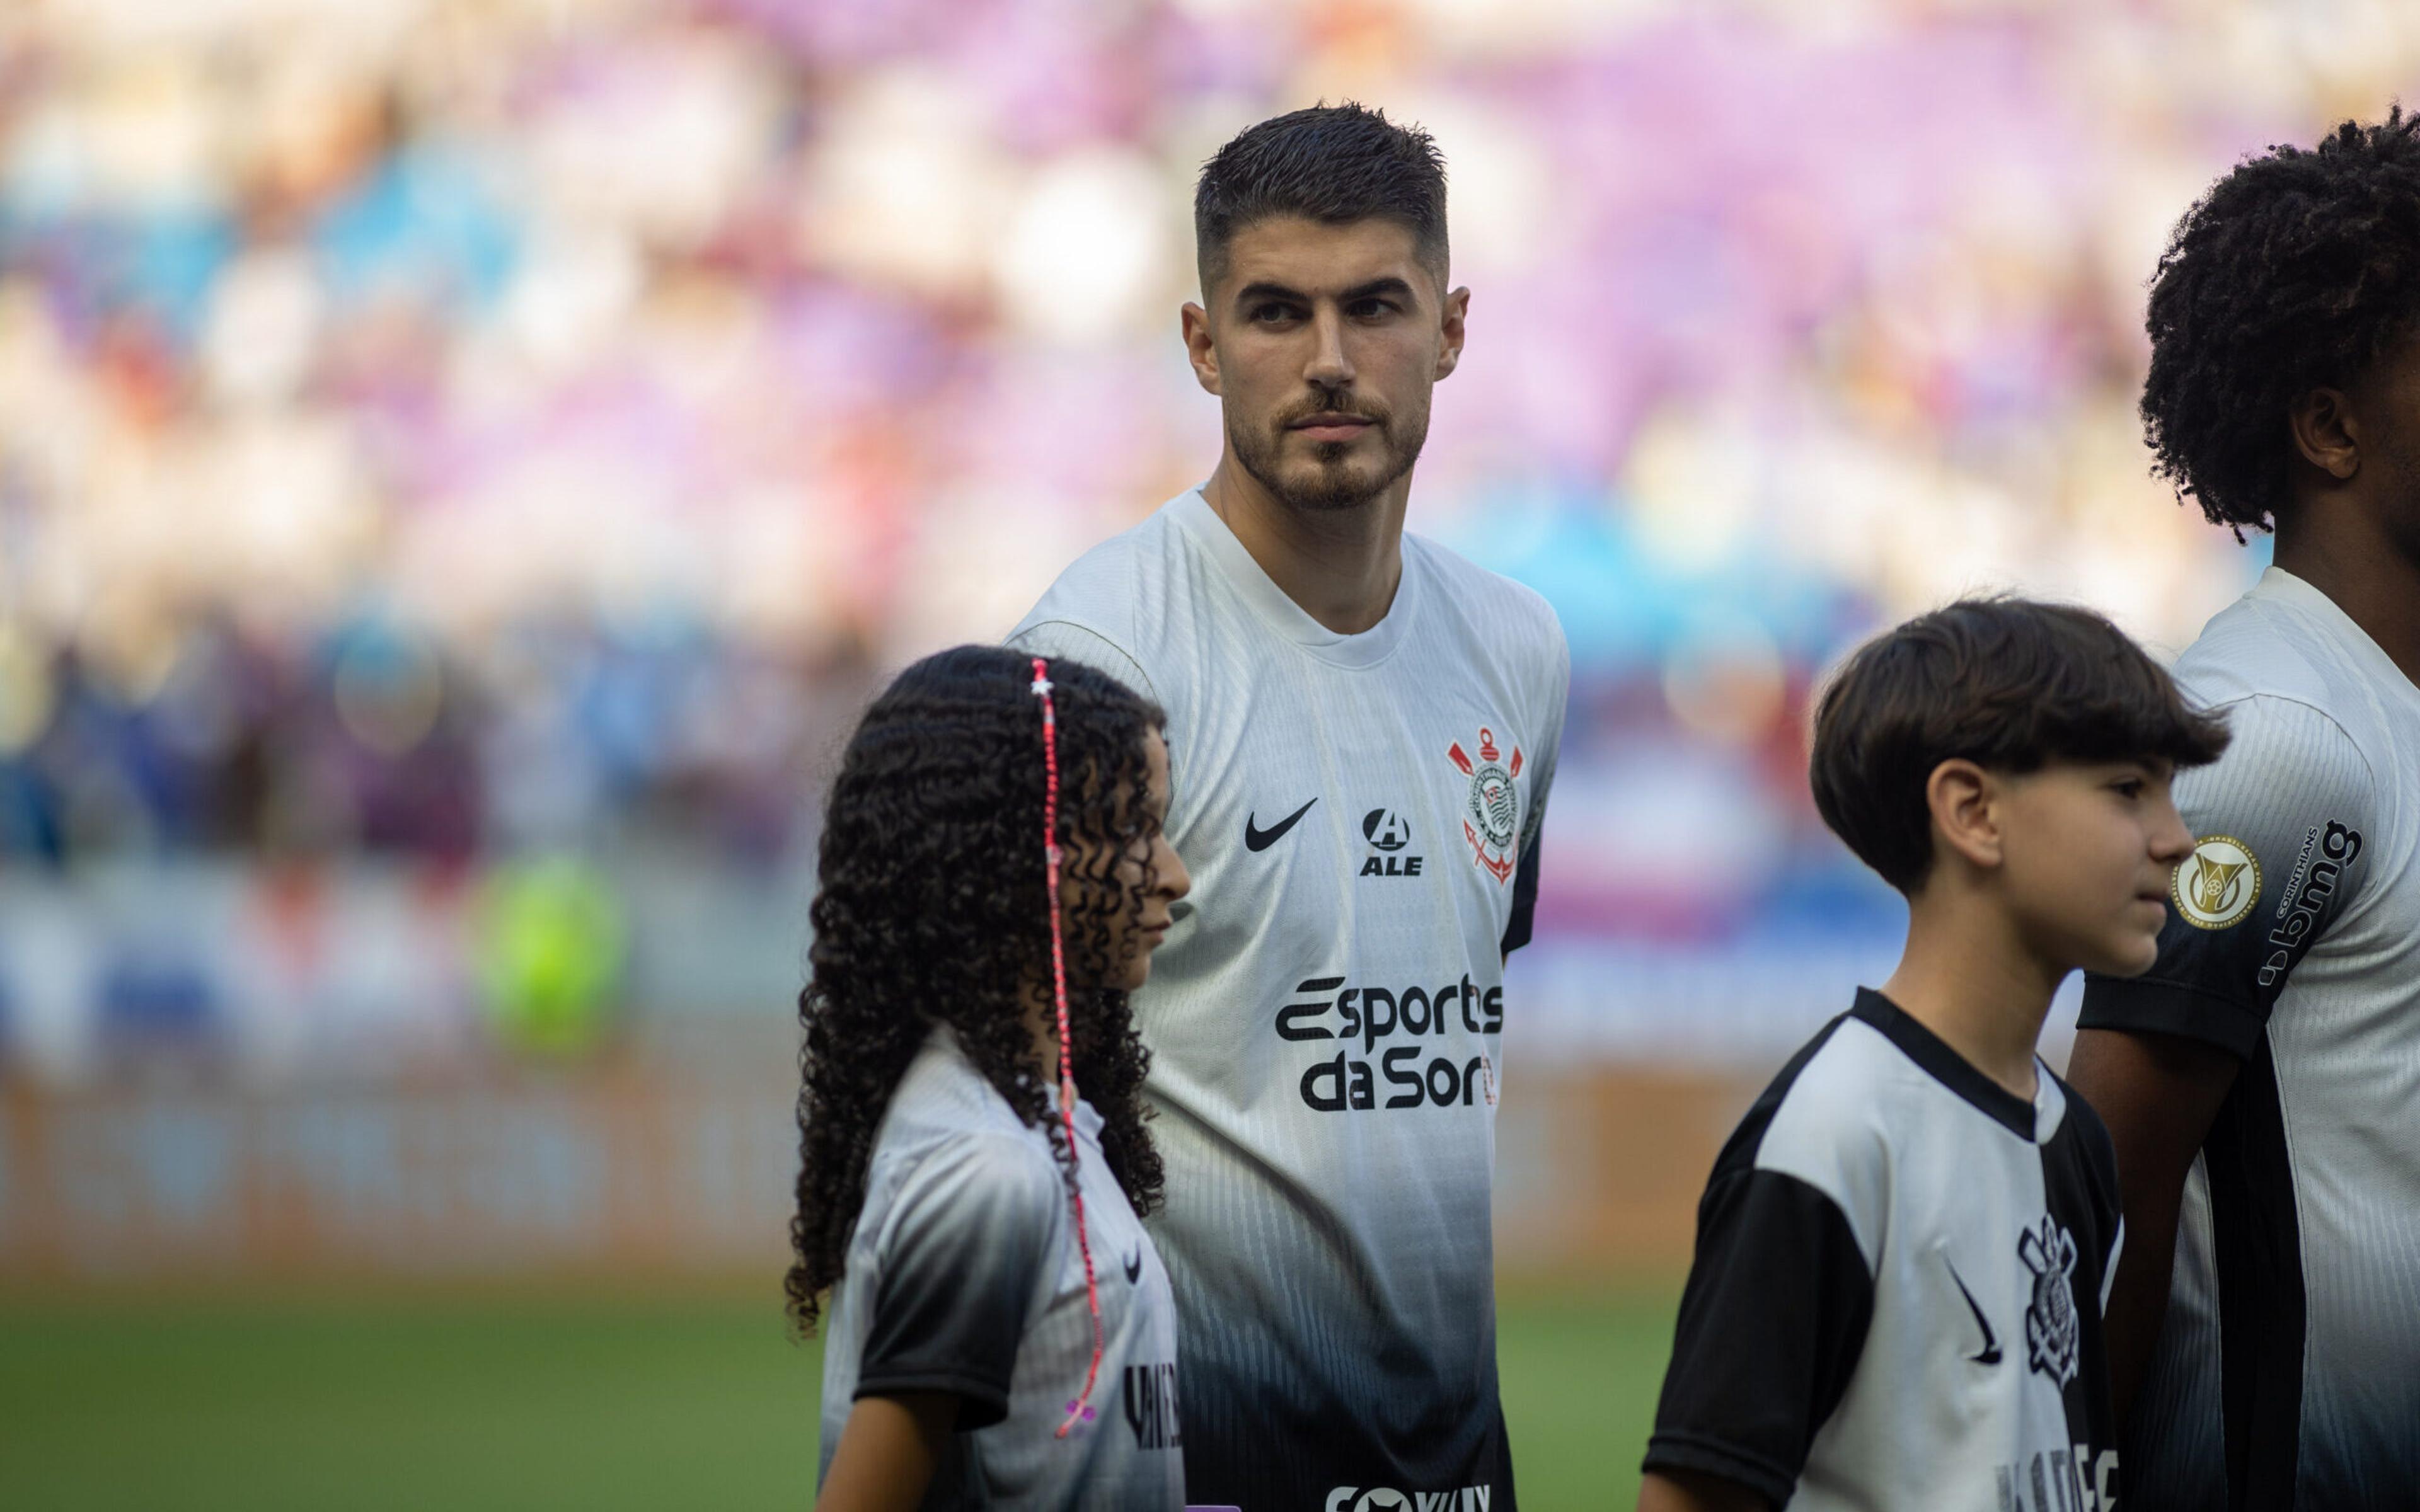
(1771,1323)
(963,1257)
(1517,928)
(2280,823)
(1056,639)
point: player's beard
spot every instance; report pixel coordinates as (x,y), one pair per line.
(1333,484)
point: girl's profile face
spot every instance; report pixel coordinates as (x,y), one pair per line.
(1147,864)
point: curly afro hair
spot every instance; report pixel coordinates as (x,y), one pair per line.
(2296,271)
(930,908)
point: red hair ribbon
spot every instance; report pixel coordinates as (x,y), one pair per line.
(1081,1409)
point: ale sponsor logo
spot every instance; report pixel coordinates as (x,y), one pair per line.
(1388,834)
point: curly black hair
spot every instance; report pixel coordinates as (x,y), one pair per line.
(931,909)
(2296,271)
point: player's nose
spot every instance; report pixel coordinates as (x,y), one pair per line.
(1169,867)
(1329,366)
(2171,842)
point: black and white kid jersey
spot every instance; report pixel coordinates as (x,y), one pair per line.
(1896,1301)
(964,1276)
(1359,813)
(2288,1371)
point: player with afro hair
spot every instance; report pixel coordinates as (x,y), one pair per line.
(2258,1081)
(2295,272)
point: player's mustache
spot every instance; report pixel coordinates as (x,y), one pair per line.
(1332,405)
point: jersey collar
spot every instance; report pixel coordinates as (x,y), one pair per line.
(1947,1066)
(2284,587)
(1270,605)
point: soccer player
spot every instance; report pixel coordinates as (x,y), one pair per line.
(2262,1080)
(973,1154)
(1904,1248)
(1361,729)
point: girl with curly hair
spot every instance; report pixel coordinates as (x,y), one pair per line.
(993,880)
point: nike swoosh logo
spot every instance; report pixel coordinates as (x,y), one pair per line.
(1991,1351)
(1256,839)
(1134,1268)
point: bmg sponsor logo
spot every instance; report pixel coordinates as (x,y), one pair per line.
(2307,891)
(1387,1499)
(1335,1012)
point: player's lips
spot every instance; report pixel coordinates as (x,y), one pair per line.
(1332,425)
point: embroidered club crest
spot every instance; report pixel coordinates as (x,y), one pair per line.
(2052,1328)
(1492,818)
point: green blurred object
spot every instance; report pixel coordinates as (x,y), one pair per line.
(594,1402)
(551,944)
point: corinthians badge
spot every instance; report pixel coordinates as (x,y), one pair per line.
(2052,1332)
(1491,817)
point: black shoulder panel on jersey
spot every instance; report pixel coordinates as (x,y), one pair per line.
(2081,1156)
(2257,1245)
(956,1280)
(1773,1322)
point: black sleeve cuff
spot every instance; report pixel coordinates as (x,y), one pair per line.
(2141,1004)
(1687,1451)
(981,1403)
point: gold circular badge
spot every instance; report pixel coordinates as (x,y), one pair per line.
(2216,886)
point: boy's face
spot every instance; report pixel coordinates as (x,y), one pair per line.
(2088,849)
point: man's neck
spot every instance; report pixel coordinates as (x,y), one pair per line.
(2345,555)
(1968,978)
(1342,567)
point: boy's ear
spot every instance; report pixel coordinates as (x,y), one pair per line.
(1963,800)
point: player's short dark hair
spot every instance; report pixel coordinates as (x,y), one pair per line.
(2008,683)
(1331,163)
(2296,271)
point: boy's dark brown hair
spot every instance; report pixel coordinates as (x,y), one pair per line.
(2008,683)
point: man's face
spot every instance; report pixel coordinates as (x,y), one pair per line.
(1322,343)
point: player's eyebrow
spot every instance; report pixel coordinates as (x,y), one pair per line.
(1389,287)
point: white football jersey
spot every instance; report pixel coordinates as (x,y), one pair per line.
(2287,1372)
(1359,813)
(1896,1301)
(963,1275)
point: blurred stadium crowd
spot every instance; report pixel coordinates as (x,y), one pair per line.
(445,437)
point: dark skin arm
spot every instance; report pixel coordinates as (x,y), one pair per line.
(2158,1093)
(1687,1490)
(888,1449)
